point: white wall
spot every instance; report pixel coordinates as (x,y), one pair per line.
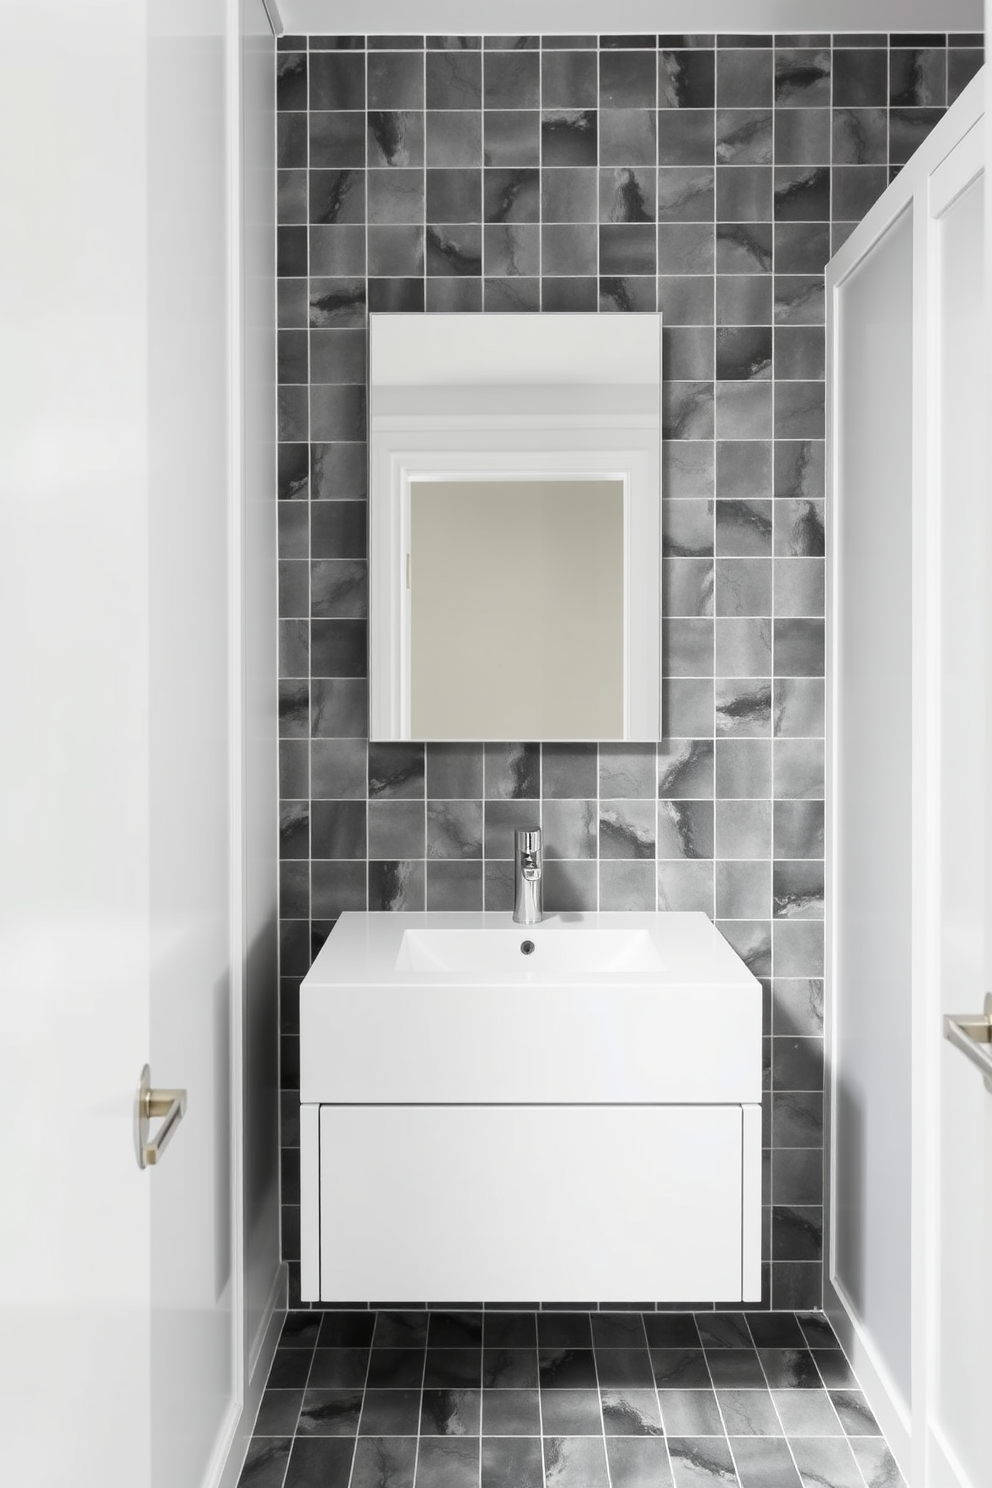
(263,1271)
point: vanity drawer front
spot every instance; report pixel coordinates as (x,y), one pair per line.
(519,1203)
(583,1045)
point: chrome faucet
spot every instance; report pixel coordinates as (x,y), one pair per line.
(528,877)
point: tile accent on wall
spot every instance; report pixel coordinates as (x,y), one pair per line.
(709,178)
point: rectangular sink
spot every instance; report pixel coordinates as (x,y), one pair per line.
(526,950)
(414,1007)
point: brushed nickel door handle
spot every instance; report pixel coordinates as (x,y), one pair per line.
(169,1104)
(972,1034)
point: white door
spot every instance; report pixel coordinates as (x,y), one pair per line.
(958,1453)
(118,1287)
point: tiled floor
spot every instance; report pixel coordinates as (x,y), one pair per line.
(564,1400)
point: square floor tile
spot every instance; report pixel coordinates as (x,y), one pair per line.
(618,1330)
(639,1462)
(278,1413)
(724,1330)
(512,1463)
(571,1413)
(624,1366)
(702,1462)
(447,1368)
(511,1413)
(390,1413)
(384,1462)
(855,1413)
(575,1462)
(339,1368)
(823,1462)
(567,1368)
(319,1462)
(807,1413)
(736,1369)
(330,1413)
(690,1413)
(749,1413)
(265,1464)
(680,1368)
(451,1413)
(631,1412)
(448,1463)
(672,1330)
(764,1462)
(509,1368)
(790,1369)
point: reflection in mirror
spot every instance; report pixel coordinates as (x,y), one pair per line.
(516,608)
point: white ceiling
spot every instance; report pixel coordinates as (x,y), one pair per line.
(588,17)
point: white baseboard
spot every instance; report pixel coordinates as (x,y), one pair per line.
(262,1349)
(879,1388)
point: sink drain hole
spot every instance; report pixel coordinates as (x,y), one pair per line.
(527,946)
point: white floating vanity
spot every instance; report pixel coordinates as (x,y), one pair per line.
(501,1113)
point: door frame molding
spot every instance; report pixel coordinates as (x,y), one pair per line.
(905,1424)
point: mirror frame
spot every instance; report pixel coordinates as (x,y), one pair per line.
(432,441)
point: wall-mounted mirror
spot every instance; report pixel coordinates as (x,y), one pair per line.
(515,527)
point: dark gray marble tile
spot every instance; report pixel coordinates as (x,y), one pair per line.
(510,1367)
(686,137)
(685,248)
(860,77)
(571,1413)
(685,829)
(827,1463)
(570,138)
(688,524)
(454,885)
(384,1462)
(510,1412)
(627,79)
(569,79)
(454,771)
(700,1461)
(512,1463)
(448,1463)
(629,1411)
(265,1462)
(685,79)
(568,770)
(763,1462)
(575,1462)
(802,77)
(569,828)
(511,195)
(878,1466)
(455,1412)
(454,829)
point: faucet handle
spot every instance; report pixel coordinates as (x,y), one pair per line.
(527,840)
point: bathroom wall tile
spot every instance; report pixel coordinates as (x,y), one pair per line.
(570,886)
(687,648)
(623,174)
(742,649)
(454,829)
(685,829)
(627,885)
(569,828)
(744,520)
(626,829)
(686,885)
(569,79)
(396,885)
(685,769)
(568,770)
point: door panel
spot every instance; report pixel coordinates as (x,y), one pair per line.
(963,1365)
(873,640)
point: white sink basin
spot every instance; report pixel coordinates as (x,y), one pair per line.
(607,1007)
(527,950)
